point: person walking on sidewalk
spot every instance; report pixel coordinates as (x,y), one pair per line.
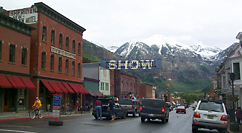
(98,107)
(111,107)
(239,115)
(37,104)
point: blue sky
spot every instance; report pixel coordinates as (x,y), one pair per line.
(114,22)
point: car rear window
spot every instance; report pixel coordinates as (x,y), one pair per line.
(211,106)
(153,103)
(125,102)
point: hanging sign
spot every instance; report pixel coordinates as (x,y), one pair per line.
(131,64)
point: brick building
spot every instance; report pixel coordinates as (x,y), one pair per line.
(55,54)
(145,90)
(15,80)
(122,84)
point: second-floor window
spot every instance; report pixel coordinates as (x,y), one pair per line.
(79,48)
(79,69)
(43,60)
(236,67)
(102,85)
(67,66)
(24,56)
(52,60)
(73,46)
(67,43)
(0,50)
(60,65)
(52,37)
(12,53)
(44,34)
(60,40)
(73,68)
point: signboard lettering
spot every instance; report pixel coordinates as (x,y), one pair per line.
(62,52)
(131,64)
(26,15)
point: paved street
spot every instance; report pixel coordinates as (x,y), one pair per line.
(178,123)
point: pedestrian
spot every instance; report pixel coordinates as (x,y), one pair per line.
(76,107)
(239,115)
(111,107)
(98,107)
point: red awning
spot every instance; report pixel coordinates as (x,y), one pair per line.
(85,91)
(62,87)
(4,83)
(47,85)
(28,82)
(75,88)
(79,88)
(55,86)
(16,82)
(19,82)
(68,87)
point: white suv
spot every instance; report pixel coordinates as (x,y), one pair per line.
(210,115)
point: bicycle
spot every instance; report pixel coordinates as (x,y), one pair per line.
(34,113)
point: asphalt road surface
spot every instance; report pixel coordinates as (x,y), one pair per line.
(178,123)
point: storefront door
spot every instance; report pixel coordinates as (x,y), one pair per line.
(9,100)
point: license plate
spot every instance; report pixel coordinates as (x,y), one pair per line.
(151,114)
(210,117)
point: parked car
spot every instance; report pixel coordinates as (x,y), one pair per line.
(119,112)
(152,108)
(131,106)
(170,105)
(210,115)
(181,109)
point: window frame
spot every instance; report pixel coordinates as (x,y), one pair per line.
(73,46)
(236,68)
(79,48)
(52,40)
(52,62)
(79,69)
(44,33)
(60,40)
(0,50)
(24,56)
(11,53)
(73,68)
(60,64)
(67,43)
(67,66)
(43,60)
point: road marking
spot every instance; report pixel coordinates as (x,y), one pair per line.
(122,121)
(16,131)
(93,123)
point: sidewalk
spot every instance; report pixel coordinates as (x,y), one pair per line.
(25,115)
(229,130)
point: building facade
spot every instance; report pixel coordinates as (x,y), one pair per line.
(55,55)
(15,83)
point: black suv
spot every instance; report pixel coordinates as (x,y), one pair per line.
(152,108)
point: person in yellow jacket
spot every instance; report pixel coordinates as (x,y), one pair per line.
(37,104)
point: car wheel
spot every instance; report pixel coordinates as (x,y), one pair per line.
(194,130)
(163,120)
(134,114)
(142,119)
(95,117)
(167,120)
(124,116)
(176,112)
(184,112)
(148,119)
(222,130)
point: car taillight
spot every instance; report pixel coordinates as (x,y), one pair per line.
(108,110)
(94,109)
(132,106)
(224,118)
(196,115)
(140,108)
(163,110)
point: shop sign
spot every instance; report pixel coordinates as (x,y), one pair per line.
(63,53)
(56,106)
(131,64)
(25,15)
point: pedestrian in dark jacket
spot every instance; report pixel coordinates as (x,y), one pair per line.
(239,115)
(111,107)
(98,107)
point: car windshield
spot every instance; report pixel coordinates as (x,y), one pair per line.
(211,106)
(152,103)
(125,102)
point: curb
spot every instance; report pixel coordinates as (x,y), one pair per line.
(8,119)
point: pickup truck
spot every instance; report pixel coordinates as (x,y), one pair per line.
(131,106)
